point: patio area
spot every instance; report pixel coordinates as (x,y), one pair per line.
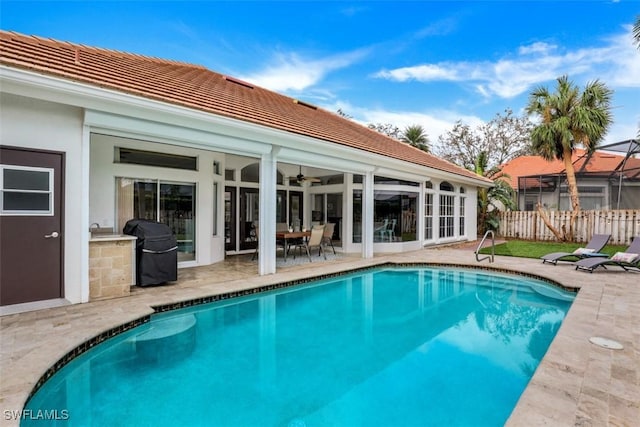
(577,383)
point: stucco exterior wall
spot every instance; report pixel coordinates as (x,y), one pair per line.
(42,125)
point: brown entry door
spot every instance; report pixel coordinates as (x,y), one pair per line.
(31,221)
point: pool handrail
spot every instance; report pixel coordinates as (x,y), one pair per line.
(491,257)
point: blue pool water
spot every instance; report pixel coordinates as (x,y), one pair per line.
(388,347)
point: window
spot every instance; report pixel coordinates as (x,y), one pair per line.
(170,203)
(530,203)
(318,212)
(446,215)
(151,158)
(216,167)
(230,174)
(26,191)
(250,173)
(428,216)
(462,216)
(215,209)
(393,181)
(395,216)
(445,186)
(357,216)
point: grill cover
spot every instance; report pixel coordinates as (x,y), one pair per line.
(156,252)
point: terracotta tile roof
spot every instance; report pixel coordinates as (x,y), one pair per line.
(600,163)
(196,87)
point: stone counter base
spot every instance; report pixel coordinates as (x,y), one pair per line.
(111,268)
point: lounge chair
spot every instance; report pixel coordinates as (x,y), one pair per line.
(593,248)
(628,260)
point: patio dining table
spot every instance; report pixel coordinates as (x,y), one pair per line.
(286,235)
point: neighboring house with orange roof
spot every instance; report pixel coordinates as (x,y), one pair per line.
(94,137)
(606,179)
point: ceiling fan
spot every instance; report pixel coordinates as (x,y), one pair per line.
(300,178)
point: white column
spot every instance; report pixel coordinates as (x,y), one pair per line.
(84,209)
(347,213)
(267,215)
(367,215)
(436,212)
(420,214)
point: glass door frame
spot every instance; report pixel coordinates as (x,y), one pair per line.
(247,237)
(230,220)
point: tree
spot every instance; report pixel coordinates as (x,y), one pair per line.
(569,118)
(341,113)
(416,136)
(507,137)
(386,128)
(501,139)
(460,145)
(490,201)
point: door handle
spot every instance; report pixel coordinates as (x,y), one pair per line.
(52,235)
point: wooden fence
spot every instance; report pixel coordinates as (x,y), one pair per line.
(621,224)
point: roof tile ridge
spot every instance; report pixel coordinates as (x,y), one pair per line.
(113,52)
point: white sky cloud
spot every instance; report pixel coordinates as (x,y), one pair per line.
(438,28)
(435,123)
(537,47)
(293,72)
(617,63)
(424,72)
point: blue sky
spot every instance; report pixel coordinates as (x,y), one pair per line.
(403,62)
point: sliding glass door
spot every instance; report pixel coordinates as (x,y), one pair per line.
(170,203)
(249,210)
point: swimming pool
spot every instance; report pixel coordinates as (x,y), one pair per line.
(393,346)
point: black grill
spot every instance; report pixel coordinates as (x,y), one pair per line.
(156,252)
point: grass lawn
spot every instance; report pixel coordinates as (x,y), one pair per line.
(528,249)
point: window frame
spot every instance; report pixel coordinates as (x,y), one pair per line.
(49,192)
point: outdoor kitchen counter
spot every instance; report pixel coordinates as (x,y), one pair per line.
(111,266)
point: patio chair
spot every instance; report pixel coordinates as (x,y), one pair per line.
(255,232)
(327,237)
(381,230)
(391,229)
(593,248)
(628,260)
(315,241)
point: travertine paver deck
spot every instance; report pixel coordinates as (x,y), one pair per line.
(576,384)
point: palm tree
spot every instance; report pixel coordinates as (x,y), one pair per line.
(415,135)
(491,200)
(569,118)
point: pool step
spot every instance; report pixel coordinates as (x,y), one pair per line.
(167,340)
